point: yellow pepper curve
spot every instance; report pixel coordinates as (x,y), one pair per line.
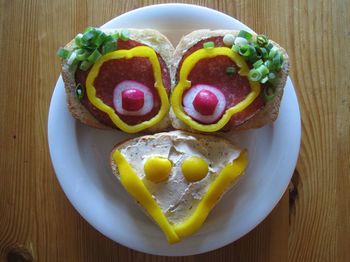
(140,51)
(187,66)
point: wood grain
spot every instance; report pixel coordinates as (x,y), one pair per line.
(37,222)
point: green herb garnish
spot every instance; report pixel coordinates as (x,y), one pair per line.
(90,46)
(209,45)
(79,91)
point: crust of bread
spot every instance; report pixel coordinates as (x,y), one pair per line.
(149,37)
(266,115)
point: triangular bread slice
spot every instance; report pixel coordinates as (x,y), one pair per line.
(177,205)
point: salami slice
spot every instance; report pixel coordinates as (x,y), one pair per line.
(114,72)
(212,72)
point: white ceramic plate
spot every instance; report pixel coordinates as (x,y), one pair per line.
(80,157)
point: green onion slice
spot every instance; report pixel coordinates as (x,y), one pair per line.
(63,53)
(209,45)
(247,50)
(258,63)
(94,56)
(124,35)
(264,80)
(262,40)
(79,91)
(245,35)
(230,70)
(85,65)
(263,70)
(254,75)
(109,47)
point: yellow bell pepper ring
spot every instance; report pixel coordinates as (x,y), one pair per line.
(139,51)
(184,83)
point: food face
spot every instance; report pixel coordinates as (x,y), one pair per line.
(127,87)
(223,80)
(178,178)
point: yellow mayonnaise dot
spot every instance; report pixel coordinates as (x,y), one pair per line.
(194,168)
(157,169)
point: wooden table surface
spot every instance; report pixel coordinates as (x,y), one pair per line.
(311,222)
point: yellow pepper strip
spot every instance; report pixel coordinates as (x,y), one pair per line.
(139,51)
(225,178)
(136,188)
(187,66)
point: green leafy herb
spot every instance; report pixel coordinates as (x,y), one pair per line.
(79,91)
(209,45)
(90,46)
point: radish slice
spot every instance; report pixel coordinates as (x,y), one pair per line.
(205,102)
(190,108)
(132,99)
(127,110)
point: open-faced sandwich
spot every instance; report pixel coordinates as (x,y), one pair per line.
(178,177)
(119,78)
(227,80)
(219,80)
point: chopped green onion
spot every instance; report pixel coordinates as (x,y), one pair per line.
(269,93)
(88,29)
(78,40)
(245,35)
(258,63)
(94,56)
(99,38)
(240,41)
(109,47)
(230,70)
(124,35)
(209,45)
(269,46)
(262,40)
(273,52)
(263,53)
(268,64)
(264,80)
(235,48)
(82,56)
(85,65)
(72,57)
(247,50)
(254,75)
(263,70)
(63,53)
(79,91)
(87,36)
(115,36)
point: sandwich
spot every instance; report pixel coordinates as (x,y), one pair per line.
(178,177)
(218,80)
(118,78)
(227,80)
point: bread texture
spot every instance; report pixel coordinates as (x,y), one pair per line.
(149,37)
(177,197)
(265,115)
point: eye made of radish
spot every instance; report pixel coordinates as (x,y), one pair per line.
(131,98)
(204,103)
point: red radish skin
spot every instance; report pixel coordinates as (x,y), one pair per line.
(205,102)
(132,99)
(138,97)
(190,96)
